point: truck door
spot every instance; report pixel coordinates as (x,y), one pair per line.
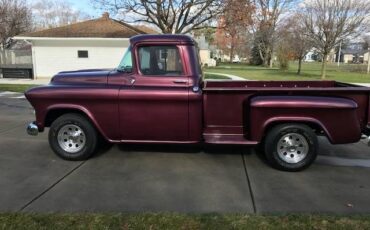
(154,107)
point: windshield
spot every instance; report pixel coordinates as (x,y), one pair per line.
(126,62)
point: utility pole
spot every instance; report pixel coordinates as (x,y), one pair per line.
(340,51)
(368,60)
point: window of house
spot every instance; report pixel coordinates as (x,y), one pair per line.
(160,60)
(83,54)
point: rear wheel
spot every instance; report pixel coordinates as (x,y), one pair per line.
(291,147)
(73,137)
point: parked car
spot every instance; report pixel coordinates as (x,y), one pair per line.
(236,59)
(157,95)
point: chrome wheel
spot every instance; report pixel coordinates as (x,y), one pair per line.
(71,138)
(292,148)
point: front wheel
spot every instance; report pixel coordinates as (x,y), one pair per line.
(291,147)
(73,137)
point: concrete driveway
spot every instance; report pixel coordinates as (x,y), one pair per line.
(136,178)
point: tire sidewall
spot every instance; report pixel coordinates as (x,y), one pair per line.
(88,129)
(272,143)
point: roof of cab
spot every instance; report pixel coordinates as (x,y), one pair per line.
(172,38)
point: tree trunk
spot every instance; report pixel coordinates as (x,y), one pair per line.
(299,66)
(266,61)
(323,67)
(231,53)
(271,61)
(267,58)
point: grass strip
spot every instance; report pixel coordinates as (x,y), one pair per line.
(15,87)
(179,221)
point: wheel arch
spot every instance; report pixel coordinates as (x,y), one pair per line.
(55,111)
(312,123)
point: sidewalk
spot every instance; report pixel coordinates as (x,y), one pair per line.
(232,77)
(362,84)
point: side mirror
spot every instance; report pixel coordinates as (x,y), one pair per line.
(127,69)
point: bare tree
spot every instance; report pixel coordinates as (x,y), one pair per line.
(52,13)
(15,18)
(268,13)
(327,22)
(293,32)
(234,23)
(170,16)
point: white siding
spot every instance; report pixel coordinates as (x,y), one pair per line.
(51,57)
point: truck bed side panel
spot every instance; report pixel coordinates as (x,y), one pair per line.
(227,104)
(336,116)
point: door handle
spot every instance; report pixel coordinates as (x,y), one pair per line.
(180,81)
(132,81)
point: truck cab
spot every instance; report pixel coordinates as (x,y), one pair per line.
(161,93)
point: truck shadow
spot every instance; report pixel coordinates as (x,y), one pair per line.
(185,148)
(105,148)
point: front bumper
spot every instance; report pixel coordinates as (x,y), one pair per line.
(366,135)
(32,129)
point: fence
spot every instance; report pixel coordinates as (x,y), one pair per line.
(15,58)
(15,63)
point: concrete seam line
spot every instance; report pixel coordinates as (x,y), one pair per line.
(249,184)
(50,187)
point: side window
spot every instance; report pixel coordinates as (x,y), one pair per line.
(126,63)
(160,60)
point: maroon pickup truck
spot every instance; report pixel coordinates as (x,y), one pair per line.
(157,95)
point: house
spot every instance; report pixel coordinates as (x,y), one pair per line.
(92,44)
(354,52)
(204,51)
(311,56)
(354,56)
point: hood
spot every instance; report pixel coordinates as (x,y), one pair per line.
(89,76)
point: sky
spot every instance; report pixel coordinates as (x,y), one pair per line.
(84,6)
(87,7)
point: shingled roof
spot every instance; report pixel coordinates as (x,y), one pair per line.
(103,27)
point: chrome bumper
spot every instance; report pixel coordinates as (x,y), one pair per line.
(366,138)
(32,129)
(366,134)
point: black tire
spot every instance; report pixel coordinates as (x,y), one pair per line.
(291,147)
(89,137)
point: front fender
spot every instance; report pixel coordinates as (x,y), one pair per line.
(337,117)
(70,107)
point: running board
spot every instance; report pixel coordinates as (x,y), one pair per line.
(228,139)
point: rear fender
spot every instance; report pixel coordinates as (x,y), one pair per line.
(337,117)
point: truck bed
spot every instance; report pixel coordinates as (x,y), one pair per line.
(226,104)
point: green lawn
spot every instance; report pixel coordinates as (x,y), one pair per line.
(310,71)
(164,221)
(15,87)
